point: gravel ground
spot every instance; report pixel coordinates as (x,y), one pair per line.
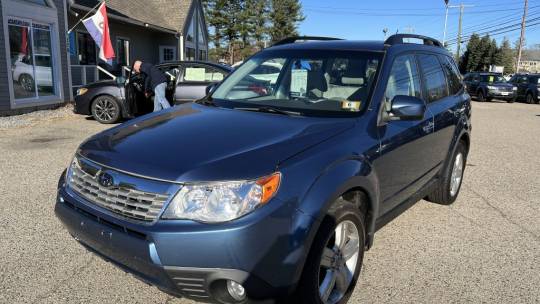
(25,120)
(483,249)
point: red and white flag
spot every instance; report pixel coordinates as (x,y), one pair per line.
(98,27)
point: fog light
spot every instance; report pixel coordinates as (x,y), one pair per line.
(236,290)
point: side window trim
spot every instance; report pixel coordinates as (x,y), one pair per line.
(413,55)
(422,78)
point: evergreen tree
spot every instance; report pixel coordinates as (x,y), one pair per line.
(471,58)
(239,28)
(506,57)
(284,17)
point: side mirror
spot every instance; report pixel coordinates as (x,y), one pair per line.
(211,88)
(407,108)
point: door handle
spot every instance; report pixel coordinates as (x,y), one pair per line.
(428,128)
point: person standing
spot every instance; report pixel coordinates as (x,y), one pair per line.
(154,80)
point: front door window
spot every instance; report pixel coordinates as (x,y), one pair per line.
(31,59)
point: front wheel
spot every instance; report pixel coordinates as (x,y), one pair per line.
(333,264)
(481,97)
(450,182)
(530,98)
(27,82)
(106,109)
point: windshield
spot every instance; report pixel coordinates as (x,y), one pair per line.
(492,78)
(303,82)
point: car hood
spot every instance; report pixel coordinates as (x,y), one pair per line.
(103,83)
(501,84)
(199,143)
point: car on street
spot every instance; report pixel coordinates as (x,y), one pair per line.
(273,195)
(486,86)
(110,101)
(528,86)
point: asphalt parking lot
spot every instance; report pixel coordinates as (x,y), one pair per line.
(483,249)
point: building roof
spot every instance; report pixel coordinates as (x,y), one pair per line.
(169,14)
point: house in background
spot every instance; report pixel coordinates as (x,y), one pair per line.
(41,65)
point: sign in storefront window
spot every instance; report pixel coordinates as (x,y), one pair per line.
(31,59)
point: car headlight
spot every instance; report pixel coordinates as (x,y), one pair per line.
(82,91)
(514,88)
(491,88)
(221,201)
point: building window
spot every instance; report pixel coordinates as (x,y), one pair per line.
(191,30)
(202,54)
(122,52)
(190,53)
(167,53)
(86,49)
(31,59)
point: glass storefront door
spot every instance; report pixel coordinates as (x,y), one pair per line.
(30,49)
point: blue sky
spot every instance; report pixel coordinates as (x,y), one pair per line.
(366,19)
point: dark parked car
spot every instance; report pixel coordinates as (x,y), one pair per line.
(273,192)
(487,86)
(527,87)
(113,100)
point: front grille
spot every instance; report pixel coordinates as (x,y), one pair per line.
(130,203)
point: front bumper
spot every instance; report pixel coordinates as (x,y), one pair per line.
(501,95)
(187,261)
(82,104)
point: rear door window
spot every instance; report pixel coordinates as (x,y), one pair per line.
(452,75)
(433,76)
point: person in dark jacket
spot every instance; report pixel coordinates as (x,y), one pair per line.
(154,80)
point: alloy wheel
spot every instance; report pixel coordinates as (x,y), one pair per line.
(105,109)
(27,83)
(457,174)
(338,263)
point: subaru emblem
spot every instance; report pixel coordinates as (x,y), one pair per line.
(106,180)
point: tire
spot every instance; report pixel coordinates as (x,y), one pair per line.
(315,274)
(105,109)
(512,100)
(27,82)
(489,99)
(481,97)
(448,187)
(530,98)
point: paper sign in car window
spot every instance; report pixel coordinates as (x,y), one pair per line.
(491,78)
(299,80)
(195,74)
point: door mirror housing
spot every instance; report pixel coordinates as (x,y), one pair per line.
(407,108)
(211,88)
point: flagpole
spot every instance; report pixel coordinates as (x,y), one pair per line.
(88,13)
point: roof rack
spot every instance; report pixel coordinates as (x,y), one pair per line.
(304,38)
(399,39)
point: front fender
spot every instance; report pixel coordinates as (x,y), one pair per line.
(340,177)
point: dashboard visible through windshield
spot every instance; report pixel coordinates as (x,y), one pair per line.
(320,82)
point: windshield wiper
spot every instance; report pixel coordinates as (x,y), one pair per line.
(269,109)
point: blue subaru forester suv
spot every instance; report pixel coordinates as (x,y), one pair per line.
(271,188)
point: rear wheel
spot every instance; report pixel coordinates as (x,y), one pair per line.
(333,264)
(450,182)
(106,109)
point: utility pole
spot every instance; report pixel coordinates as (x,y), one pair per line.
(522,37)
(461,9)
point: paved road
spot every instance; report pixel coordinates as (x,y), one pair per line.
(483,249)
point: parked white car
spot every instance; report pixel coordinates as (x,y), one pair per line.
(23,71)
